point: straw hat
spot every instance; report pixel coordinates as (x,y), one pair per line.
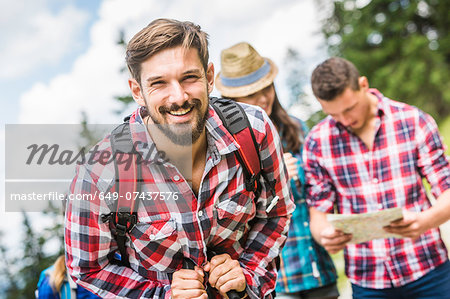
(244,71)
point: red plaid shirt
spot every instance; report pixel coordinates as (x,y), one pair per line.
(341,170)
(224,216)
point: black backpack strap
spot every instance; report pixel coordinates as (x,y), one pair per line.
(127,185)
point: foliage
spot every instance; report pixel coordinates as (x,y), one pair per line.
(21,272)
(296,81)
(38,248)
(444,128)
(315,118)
(124,99)
(402,46)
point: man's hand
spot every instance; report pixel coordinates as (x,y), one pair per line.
(411,226)
(225,274)
(291,165)
(188,284)
(334,240)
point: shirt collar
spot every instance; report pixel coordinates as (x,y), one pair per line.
(381,106)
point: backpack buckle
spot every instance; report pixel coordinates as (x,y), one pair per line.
(125,222)
(250,184)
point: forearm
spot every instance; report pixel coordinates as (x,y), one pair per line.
(261,249)
(439,213)
(115,281)
(318,223)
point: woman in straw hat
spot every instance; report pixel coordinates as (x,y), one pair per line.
(306,269)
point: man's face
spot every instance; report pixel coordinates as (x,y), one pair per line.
(175,89)
(351,108)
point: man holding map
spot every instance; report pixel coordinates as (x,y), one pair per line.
(370,155)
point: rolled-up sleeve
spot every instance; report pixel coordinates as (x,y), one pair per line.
(269,229)
(320,193)
(432,161)
(88,241)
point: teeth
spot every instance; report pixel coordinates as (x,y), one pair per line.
(180,112)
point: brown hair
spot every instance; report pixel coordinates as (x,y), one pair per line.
(162,34)
(288,129)
(330,78)
(58,274)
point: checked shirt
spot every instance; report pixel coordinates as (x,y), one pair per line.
(342,171)
(224,217)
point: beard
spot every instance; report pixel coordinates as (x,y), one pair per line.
(182,134)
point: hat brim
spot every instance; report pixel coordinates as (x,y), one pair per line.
(246,90)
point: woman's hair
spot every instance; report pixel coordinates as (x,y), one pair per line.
(58,274)
(290,131)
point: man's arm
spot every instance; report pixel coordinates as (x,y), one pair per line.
(269,229)
(321,195)
(325,234)
(89,241)
(432,164)
(414,224)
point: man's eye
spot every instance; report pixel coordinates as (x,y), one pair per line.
(156,83)
(190,78)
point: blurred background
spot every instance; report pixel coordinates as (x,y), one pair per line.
(62,62)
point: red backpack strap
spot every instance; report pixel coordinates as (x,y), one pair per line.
(236,122)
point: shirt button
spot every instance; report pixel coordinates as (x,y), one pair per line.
(305,224)
(310,247)
(238,208)
(200,213)
(176,178)
(375,181)
(152,237)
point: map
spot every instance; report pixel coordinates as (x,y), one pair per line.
(366,226)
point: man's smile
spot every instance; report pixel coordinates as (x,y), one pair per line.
(180,112)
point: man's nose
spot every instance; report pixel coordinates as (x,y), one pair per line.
(177,94)
(345,121)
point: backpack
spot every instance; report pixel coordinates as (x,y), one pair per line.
(235,121)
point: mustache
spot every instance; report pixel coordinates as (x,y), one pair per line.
(195,103)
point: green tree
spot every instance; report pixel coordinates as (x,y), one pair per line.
(124,99)
(296,81)
(402,46)
(21,272)
(9,286)
(38,248)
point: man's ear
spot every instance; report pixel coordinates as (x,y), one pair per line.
(210,77)
(136,91)
(363,83)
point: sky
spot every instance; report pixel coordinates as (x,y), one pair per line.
(61,58)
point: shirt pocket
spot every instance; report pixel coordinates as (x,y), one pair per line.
(234,213)
(156,245)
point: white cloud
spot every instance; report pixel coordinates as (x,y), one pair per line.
(36,36)
(271,26)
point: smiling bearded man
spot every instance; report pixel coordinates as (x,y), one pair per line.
(170,81)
